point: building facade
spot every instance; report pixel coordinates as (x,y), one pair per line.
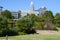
(16,14)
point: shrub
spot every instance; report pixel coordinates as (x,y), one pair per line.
(24,25)
(21,33)
(9,32)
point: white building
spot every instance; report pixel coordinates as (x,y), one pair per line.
(22,13)
(31,11)
(16,14)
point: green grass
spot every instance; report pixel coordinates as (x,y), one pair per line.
(33,37)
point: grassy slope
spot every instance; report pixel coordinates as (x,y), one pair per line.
(33,37)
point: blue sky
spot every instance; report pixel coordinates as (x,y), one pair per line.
(14,5)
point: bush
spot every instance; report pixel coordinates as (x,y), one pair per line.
(9,32)
(55,29)
(33,31)
(24,25)
(21,33)
(0,33)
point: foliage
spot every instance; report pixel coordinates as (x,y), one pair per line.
(48,20)
(9,32)
(37,20)
(57,19)
(7,14)
(3,24)
(48,15)
(4,27)
(21,33)
(24,24)
(27,24)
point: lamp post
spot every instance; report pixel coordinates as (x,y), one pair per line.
(6,37)
(6,31)
(12,24)
(1,9)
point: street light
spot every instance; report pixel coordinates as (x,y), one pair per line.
(6,31)
(12,24)
(1,9)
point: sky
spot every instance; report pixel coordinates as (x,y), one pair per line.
(14,5)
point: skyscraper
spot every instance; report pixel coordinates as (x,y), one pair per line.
(31,7)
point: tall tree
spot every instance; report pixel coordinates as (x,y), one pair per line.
(48,18)
(7,14)
(3,24)
(24,25)
(48,15)
(57,19)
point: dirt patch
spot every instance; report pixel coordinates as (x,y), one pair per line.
(47,32)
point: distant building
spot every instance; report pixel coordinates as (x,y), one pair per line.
(22,13)
(42,10)
(31,7)
(16,14)
(31,11)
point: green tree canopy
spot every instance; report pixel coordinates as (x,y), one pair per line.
(57,19)
(7,14)
(24,24)
(48,15)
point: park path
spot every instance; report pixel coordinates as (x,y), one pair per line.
(47,32)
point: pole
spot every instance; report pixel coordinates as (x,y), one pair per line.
(6,31)
(6,37)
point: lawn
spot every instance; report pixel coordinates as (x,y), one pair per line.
(33,37)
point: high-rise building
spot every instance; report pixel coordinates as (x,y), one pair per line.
(42,10)
(32,6)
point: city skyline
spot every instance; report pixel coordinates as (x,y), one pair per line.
(14,5)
